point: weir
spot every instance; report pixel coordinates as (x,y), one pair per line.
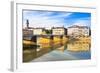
(37,38)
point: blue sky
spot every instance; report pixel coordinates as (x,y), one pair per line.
(50,19)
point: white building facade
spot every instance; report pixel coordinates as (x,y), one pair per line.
(78,31)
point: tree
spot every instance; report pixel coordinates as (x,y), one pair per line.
(48,31)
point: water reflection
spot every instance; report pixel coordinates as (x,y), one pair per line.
(57,51)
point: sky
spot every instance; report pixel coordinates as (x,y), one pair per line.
(49,19)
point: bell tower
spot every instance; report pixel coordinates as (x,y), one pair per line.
(27,23)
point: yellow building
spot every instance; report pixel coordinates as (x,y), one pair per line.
(59,31)
(38,31)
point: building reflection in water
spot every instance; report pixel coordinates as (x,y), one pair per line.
(32,53)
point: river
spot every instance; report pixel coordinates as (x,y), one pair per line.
(58,52)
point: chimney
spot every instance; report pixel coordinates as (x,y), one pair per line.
(27,23)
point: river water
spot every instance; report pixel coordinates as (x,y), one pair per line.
(57,52)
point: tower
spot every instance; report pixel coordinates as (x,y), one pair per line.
(27,23)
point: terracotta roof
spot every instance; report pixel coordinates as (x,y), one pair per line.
(34,28)
(56,27)
(77,26)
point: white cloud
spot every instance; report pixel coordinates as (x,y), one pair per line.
(45,19)
(82,23)
(52,19)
